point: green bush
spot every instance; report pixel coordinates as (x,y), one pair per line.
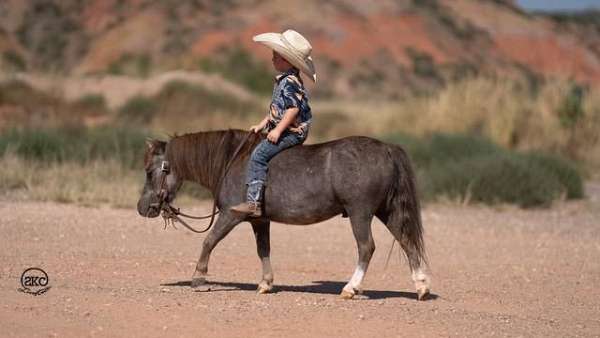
(442,148)
(494,179)
(91,103)
(14,60)
(182,97)
(240,66)
(423,64)
(75,145)
(570,111)
(564,170)
(471,168)
(457,147)
(138,110)
(132,65)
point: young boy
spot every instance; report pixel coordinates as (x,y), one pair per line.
(289,116)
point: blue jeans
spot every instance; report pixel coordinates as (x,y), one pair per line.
(256,173)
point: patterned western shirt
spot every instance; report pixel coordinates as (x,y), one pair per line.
(289,92)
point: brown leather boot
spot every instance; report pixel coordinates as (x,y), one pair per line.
(251,209)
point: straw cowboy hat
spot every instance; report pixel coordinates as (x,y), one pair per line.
(293,47)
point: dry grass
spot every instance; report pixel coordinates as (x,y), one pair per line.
(216,120)
(508,112)
(90,184)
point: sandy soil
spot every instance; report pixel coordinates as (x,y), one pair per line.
(496,272)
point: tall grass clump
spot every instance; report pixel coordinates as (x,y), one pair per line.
(474,169)
(95,182)
(81,145)
(78,165)
(559,117)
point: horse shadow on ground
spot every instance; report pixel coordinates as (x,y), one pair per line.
(317,287)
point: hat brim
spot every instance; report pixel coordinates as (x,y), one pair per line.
(275,42)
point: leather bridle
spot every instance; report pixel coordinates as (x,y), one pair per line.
(172,214)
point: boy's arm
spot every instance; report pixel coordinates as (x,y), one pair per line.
(258,127)
(288,118)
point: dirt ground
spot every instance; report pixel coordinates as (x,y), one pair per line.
(496,272)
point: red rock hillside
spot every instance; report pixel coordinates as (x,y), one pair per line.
(360,47)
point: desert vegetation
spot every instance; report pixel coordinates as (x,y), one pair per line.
(479,140)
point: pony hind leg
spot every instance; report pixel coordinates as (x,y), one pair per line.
(361,228)
(263,247)
(224,224)
(415,261)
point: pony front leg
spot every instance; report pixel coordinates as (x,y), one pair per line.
(263,248)
(224,224)
(361,227)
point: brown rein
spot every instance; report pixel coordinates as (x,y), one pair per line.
(170,213)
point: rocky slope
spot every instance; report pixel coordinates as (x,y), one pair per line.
(360,47)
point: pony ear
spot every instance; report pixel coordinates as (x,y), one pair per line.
(155,146)
(149,143)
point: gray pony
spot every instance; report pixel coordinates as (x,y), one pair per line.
(358,177)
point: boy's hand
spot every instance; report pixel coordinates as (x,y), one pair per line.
(256,128)
(274,135)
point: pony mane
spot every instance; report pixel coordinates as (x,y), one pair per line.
(202,156)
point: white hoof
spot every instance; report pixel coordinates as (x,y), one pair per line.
(264,287)
(422,294)
(422,284)
(347,294)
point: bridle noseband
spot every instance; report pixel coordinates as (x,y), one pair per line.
(165,169)
(171,214)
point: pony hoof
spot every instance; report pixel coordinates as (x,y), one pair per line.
(204,288)
(422,294)
(197,282)
(346,295)
(264,287)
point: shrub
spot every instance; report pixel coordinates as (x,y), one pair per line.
(240,66)
(441,148)
(495,179)
(423,64)
(471,168)
(132,65)
(457,147)
(554,116)
(138,110)
(92,101)
(14,60)
(564,170)
(570,110)
(75,145)
(85,166)
(183,98)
